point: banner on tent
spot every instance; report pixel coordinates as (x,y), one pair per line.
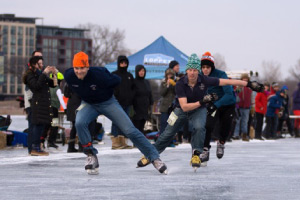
(157,59)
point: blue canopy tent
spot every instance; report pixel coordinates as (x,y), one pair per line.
(156,58)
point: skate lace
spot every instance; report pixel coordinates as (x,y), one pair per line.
(195,159)
(90,160)
(204,154)
(220,147)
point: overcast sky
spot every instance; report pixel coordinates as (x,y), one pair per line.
(245,32)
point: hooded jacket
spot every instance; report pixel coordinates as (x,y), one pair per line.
(143,95)
(274,103)
(296,99)
(225,94)
(261,101)
(124,92)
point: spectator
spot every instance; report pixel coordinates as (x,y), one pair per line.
(261,101)
(285,114)
(296,110)
(244,110)
(39,82)
(143,98)
(124,93)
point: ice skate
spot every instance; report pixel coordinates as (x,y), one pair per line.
(92,165)
(220,150)
(160,166)
(143,162)
(195,161)
(204,157)
(52,144)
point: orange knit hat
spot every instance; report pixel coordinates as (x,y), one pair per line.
(81,59)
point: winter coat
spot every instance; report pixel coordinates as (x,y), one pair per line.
(285,105)
(296,99)
(143,96)
(73,103)
(124,92)
(168,95)
(226,95)
(261,101)
(274,102)
(245,97)
(41,108)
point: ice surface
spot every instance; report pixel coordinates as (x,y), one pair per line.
(248,170)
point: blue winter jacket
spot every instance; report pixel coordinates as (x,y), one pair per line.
(225,93)
(96,87)
(274,103)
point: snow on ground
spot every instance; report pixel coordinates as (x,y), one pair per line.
(248,170)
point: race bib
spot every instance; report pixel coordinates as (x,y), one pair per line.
(172,119)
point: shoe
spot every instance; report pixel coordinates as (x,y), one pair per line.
(71,148)
(235,137)
(204,157)
(160,166)
(115,143)
(123,142)
(52,144)
(37,151)
(92,165)
(195,161)
(258,138)
(143,162)
(245,137)
(220,150)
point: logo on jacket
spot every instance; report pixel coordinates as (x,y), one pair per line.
(202,86)
(93,87)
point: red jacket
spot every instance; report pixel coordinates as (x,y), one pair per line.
(261,101)
(245,98)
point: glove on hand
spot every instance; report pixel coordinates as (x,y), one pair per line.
(211,108)
(255,86)
(209,98)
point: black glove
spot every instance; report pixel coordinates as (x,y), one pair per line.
(211,108)
(255,86)
(209,98)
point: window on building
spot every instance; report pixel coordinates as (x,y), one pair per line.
(78,45)
(12,79)
(13,50)
(12,89)
(13,40)
(4,40)
(69,44)
(4,89)
(31,31)
(5,30)
(20,30)
(20,51)
(20,41)
(13,30)
(31,42)
(4,49)
(45,42)
(54,43)
(19,89)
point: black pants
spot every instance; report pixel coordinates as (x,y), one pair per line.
(288,123)
(225,116)
(53,130)
(271,129)
(259,124)
(139,124)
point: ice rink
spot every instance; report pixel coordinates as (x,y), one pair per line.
(249,170)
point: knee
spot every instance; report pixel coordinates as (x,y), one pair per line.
(79,124)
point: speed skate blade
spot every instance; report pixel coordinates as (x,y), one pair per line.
(93,171)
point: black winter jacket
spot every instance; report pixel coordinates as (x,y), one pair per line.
(143,96)
(124,92)
(39,84)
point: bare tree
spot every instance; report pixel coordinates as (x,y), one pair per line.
(220,62)
(295,71)
(107,44)
(271,71)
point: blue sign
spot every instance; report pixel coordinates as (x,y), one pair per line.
(157,59)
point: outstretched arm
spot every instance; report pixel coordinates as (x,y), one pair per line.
(253,85)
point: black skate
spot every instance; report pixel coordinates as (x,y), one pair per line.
(195,161)
(143,162)
(160,166)
(51,144)
(92,165)
(220,150)
(204,157)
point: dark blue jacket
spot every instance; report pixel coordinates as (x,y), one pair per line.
(296,99)
(274,103)
(96,87)
(225,93)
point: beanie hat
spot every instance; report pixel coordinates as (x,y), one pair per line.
(208,59)
(173,63)
(81,59)
(245,75)
(193,62)
(275,84)
(284,87)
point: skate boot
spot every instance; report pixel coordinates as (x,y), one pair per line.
(195,161)
(204,157)
(92,165)
(37,151)
(160,166)
(143,162)
(220,150)
(52,144)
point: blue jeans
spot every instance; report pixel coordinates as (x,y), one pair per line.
(163,121)
(112,110)
(115,131)
(242,122)
(198,119)
(37,130)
